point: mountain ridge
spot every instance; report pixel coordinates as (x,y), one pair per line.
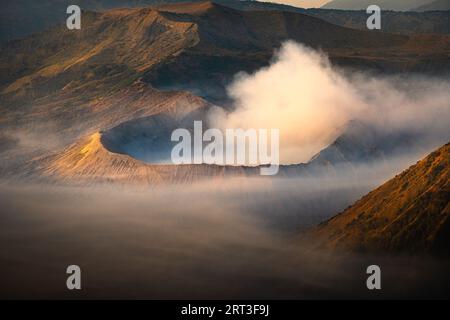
(88,162)
(402,5)
(435,5)
(128,64)
(409,213)
(19,22)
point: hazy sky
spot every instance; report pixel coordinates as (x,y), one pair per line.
(301,3)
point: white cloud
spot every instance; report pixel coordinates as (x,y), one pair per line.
(310,102)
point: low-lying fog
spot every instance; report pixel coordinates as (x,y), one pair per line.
(236,239)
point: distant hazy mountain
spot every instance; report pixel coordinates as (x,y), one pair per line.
(299,3)
(403,22)
(435,5)
(399,5)
(21,18)
(409,213)
(363,143)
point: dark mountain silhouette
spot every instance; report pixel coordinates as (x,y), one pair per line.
(435,5)
(399,5)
